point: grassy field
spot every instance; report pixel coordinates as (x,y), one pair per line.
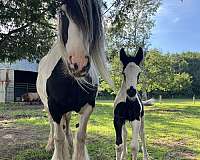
(172,131)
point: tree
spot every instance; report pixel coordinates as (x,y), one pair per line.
(26,28)
(160,74)
(130,23)
(193,61)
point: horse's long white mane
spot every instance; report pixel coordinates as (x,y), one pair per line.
(90,23)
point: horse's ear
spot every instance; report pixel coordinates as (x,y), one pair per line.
(139,56)
(63,27)
(123,57)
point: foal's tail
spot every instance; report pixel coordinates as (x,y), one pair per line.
(149,102)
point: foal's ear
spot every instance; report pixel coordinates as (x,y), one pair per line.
(63,27)
(139,56)
(123,57)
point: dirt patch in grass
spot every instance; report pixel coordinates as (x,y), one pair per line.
(173,155)
(15,138)
(171,144)
(179,149)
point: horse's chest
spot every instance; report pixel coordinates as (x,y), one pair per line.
(129,110)
(65,94)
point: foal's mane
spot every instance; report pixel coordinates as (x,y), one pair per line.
(86,14)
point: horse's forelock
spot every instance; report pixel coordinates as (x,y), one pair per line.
(86,14)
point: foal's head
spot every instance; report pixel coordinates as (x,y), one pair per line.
(79,30)
(131,71)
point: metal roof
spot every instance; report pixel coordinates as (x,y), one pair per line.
(22,65)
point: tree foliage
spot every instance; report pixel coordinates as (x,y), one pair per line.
(193,69)
(160,74)
(26,28)
(129,24)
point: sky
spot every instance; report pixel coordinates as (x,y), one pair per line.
(177,26)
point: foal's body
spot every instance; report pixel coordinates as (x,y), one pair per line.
(125,110)
(128,107)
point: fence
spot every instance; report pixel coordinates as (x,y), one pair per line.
(22,88)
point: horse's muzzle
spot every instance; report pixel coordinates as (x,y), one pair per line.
(75,70)
(131,92)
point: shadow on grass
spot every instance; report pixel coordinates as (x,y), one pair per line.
(187,111)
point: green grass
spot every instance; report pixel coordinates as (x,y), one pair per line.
(172,130)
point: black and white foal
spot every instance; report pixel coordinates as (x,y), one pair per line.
(68,76)
(128,107)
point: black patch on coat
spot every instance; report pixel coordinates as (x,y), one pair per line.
(126,111)
(65,94)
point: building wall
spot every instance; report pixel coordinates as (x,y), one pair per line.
(6,85)
(15,83)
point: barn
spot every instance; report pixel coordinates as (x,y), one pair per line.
(17,79)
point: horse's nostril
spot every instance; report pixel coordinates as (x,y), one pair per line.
(131,88)
(76,66)
(70,59)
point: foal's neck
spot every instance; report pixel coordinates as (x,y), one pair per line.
(121,96)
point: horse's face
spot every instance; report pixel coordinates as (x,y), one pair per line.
(76,45)
(131,71)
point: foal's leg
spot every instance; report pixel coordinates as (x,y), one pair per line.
(69,135)
(124,139)
(118,124)
(134,143)
(61,151)
(142,135)
(50,144)
(80,150)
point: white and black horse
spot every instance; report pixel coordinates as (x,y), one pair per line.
(68,75)
(128,107)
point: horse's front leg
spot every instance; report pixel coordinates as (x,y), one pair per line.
(135,134)
(142,135)
(80,150)
(124,138)
(118,124)
(50,144)
(61,151)
(69,134)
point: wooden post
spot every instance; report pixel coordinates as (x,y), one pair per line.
(160,98)
(194,99)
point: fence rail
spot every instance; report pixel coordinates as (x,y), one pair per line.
(22,88)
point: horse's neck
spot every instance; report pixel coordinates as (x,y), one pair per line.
(121,96)
(49,61)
